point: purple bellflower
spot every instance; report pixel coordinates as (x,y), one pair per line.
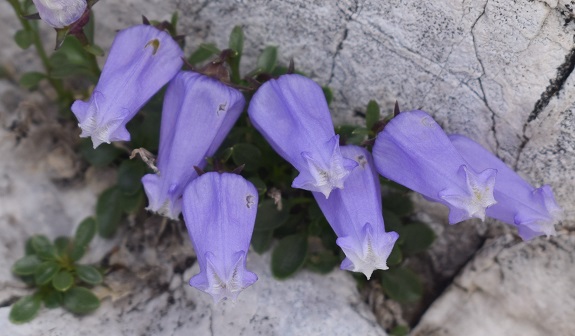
(413,150)
(198,112)
(355,215)
(533,210)
(292,114)
(220,212)
(142,59)
(60,13)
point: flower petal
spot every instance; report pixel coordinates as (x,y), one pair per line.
(413,150)
(60,13)
(220,211)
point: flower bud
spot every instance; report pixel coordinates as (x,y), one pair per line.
(60,13)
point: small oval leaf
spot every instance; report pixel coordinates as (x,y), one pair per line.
(417,237)
(268,217)
(26,265)
(89,274)
(267,60)
(236,42)
(262,240)
(25,309)
(248,154)
(62,281)
(372,114)
(30,80)
(23,38)
(402,285)
(43,247)
(109,212)
(289,255)
(62,245)
(45,272)
(85,232)
(80,300)
(53,299)
(130,175)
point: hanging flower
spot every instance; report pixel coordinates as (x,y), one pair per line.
(142,59)
(355,215)
(533,210)
(198,112)
(292,114)
(413,150)
(60,13)
(220,212)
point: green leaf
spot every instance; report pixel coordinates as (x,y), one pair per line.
(80,300)
(262,240)
(174,19)
(109,212)
(323,262)
(130,175)
(62,244)
(28,248)
(53,299)
(237,40)
(395,257)
(94,49)
(392,222)
(372,114)
(417,237)
(25,309)
(101,156)
(328,94)
(203,53)
(248,154)
(400,330)
(259,184)
(289,255)
(267,60)
(77,252)
(89,274)
(23,38)
(62,281)
(268,217)
(85,232)
(30,80)
(26,265)
(43,247)
(398,203)
(401,285)
(45,272)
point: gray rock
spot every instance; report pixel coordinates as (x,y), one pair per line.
(509,288)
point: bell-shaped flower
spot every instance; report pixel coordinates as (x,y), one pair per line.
(60,13)
(142,59)
(220,212)
(355,215)
(292,114)
(413,150)
(533,210)
(198,112)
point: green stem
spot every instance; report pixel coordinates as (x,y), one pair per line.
(57,84)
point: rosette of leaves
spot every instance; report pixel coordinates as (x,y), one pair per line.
(52,268)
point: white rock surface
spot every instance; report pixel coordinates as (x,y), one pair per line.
(498,71)
(509,288)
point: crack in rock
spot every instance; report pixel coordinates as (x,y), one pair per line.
(354,9)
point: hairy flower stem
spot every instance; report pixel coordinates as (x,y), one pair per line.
(56,84)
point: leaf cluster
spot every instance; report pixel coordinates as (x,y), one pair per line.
(53,269)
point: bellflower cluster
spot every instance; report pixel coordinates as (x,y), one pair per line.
(292,114)
(220,211)
(355,215)
(60,13)
(142,59)
(533,210)
(197,114)
(413,150)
